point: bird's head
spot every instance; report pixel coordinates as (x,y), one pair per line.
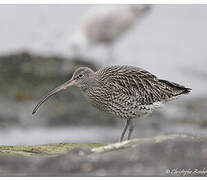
(81,76)
(80,79)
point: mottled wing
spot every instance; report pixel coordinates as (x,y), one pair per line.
(140,84)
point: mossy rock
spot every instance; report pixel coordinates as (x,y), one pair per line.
(24,75)
(61,148)
(138,141)
(154,156)
(48,149)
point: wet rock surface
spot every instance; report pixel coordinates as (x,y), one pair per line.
(171,155)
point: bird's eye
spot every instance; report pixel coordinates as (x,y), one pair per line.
(80,75)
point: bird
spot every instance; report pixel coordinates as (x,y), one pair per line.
(126,92)
(106,25)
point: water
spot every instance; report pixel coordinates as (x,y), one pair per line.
(32,136)
(81,134)
(170,42)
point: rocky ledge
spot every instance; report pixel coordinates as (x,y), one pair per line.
(170,155)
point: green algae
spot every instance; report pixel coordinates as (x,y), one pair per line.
(61,148)
(47,149)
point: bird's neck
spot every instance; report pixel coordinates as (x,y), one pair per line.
(83,87)
(88,84)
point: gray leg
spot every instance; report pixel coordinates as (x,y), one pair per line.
(131,128)
(124,130)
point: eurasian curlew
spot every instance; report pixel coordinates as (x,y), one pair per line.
(126,92)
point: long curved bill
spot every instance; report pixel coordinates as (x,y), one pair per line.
(56,90)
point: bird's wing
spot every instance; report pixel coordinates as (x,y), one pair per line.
(139,83)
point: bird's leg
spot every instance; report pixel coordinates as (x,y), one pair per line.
(131,128)
(124,130)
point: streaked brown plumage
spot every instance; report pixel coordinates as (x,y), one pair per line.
(126,92)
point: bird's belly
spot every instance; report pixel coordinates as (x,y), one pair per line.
(129,112)
(123,107)
(127,109)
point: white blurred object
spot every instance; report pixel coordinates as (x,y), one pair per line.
(106,24)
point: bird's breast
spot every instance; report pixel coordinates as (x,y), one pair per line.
(117,104)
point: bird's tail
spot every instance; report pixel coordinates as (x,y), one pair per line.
(176,88)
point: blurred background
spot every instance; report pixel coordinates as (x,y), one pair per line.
(41,46)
